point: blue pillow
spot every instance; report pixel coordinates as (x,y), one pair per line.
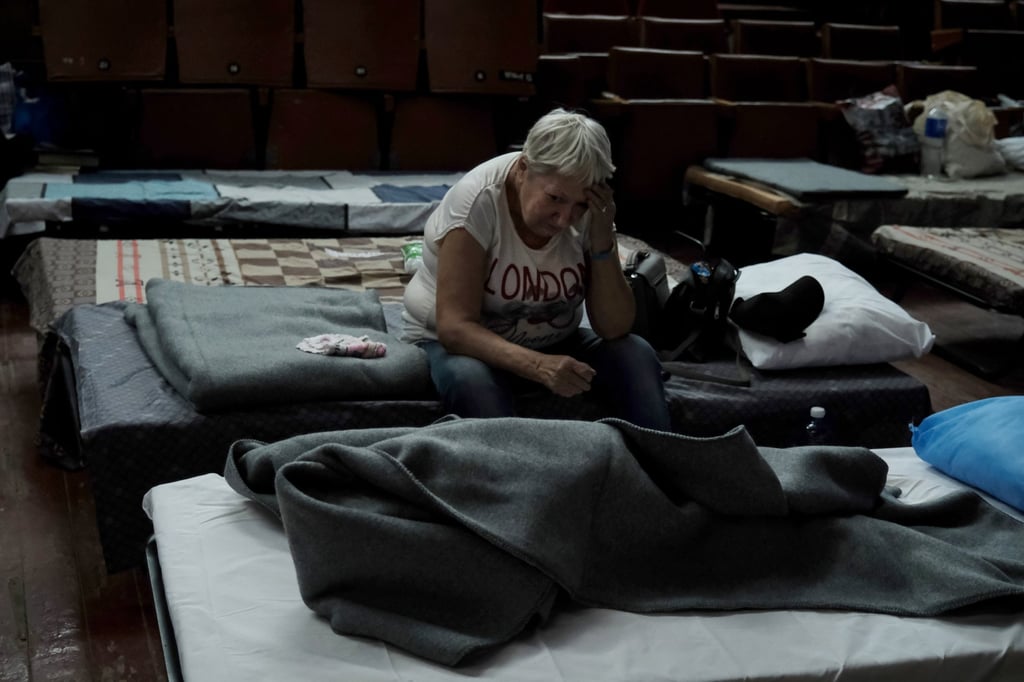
(980,443)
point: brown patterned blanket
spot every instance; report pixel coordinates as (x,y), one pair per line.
(56,274)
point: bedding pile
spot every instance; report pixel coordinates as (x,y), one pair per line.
(235,347)
(447,539)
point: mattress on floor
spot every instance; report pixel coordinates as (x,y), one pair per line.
(102,396)
(235,613)
(395,203)
(986,262)
(107,408)
(840,226)
(809,180)
(56,274)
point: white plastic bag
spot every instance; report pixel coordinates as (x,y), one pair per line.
(7,99)
(970,136)
(1012,149)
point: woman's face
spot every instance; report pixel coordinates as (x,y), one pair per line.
(550,203)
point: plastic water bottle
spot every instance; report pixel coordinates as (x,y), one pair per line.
(933,144)
(412,255)
(818,431)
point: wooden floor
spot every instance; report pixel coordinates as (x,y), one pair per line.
(63,618)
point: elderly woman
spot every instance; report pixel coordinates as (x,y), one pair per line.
(513,250)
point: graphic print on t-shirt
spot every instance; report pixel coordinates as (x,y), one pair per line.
(532,306)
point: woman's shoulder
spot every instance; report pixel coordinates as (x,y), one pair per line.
(481,187)
(490,172)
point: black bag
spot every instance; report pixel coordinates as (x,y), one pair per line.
(647,277)
(695,315)
(689,322)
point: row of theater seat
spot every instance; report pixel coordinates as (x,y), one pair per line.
(565,33)
(632,73)
(993,14)
(294,129)
(819,11)
(947,13)
(316,129)
(997,55)
(466,45)
(470,46)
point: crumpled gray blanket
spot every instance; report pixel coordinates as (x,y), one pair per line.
(232,347)
(450,538)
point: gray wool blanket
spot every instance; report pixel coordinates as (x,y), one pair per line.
(234,347)
(454,537)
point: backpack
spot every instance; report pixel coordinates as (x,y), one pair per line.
(695,316)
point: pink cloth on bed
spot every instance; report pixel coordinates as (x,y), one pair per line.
(343,344)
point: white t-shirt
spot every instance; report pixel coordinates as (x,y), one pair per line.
(532,297)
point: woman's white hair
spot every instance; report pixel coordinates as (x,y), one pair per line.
(571,145)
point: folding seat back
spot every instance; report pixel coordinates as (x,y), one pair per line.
(595,73)
(16,25)
(318,130)
(196,128)
(655,141)
(678,9)
(986,14)
(829,80)
(441,132)
(917,81)
(570,80)
(362,43)
(770,130)
(586,6)
(999,56)
(250,42)
(643,73)
(481,47)
(786,38)
(758,78)
(703,35)
(1009,121)
(861,41)
(768,10)
(104,39)
(560,81)
(564,33)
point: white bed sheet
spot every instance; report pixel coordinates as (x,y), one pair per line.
(237,615)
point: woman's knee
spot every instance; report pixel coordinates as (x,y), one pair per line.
(470,374)
(633,354)
(470,388)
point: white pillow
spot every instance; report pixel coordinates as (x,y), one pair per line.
(857,325)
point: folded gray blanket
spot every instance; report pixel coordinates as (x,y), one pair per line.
(233,347)
(454,537)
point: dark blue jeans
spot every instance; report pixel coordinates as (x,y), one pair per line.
(629,378)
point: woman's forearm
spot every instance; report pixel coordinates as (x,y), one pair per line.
(610,303)
(468,337)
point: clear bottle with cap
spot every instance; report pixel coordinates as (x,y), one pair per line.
(933,143)
(818,428)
